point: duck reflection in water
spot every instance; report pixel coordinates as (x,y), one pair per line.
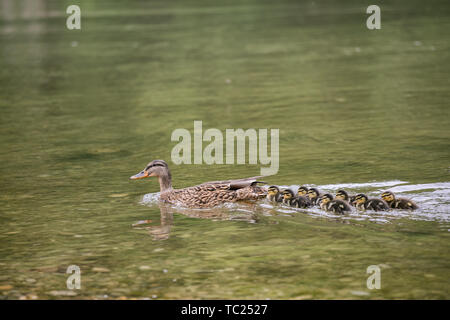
(247,212)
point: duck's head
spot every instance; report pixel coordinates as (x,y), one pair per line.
(287,194)
(313,193)
(360,198)
(273,190)
(325,199)
(156,168)
(388,196)
(302,191)
(342,195)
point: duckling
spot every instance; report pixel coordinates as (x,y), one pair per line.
(314,196)
(343,195)
(362,202)
(327,203)
(400,203)
(291,200)
(288,197)
(274,194)
(302,197)
(303,191)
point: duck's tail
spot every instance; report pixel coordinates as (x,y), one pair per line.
(252,192)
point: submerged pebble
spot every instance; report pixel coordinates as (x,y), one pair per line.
(360,293)
(5,287)
(63,293)
(99,269)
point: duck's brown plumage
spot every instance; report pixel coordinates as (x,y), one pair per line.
(208,194)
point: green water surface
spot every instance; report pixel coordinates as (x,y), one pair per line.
(82,110)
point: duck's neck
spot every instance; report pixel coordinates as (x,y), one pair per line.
(165,182)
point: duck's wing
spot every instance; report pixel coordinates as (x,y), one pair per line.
(236,184)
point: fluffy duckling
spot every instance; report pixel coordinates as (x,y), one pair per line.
(400,203)
(343,195)
(327,203)
(314,196)
(298,202)
(303,191)
(362,202)
(274,194)
(288,197)
(302,199)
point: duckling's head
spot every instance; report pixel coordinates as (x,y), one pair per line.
(273,190)
(313,193)
(302,191)
(325,198)
(287,194)
(360,198)
(342,195)
(388,196)
(156,168)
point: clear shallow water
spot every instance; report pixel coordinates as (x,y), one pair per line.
(83,111)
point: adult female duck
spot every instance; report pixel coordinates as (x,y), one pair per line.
(208,194)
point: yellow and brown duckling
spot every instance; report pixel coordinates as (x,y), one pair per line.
(302,197)
(362,202)
(303,191)
(207,194)
(314,196)
(343,195)
(327,203)
(290,199)
(398,203)
(274,194)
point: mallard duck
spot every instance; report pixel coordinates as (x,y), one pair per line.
(314,196)
(274,194)
(207,194)
(288,197)
(343,195)
(362,202)
(298,202)
(327,203)
(302,191)
(400,203)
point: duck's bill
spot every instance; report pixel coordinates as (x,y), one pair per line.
(140,175)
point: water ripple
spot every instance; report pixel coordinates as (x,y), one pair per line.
(433,200)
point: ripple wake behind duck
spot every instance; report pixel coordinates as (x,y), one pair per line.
(433,200)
